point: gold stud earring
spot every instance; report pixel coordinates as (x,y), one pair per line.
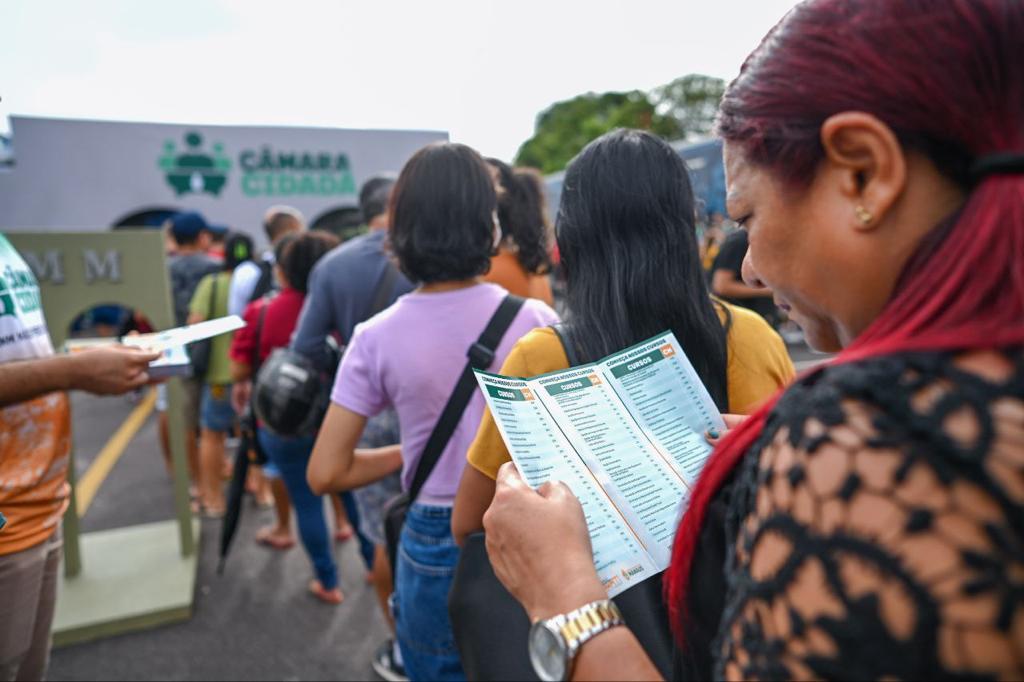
(863,215)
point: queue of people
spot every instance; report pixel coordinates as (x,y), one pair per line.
(861,520)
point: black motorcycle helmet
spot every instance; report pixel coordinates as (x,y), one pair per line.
(290,395)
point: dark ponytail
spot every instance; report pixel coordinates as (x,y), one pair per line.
(524,222)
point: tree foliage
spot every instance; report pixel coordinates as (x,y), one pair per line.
(685,106)
(692,101)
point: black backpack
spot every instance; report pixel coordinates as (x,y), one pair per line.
(265,284)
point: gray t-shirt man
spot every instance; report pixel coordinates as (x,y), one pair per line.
(342,287)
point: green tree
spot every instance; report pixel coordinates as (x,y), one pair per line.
(686,106)
(566,127)
(691,100)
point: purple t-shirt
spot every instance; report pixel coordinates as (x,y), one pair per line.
(410,356)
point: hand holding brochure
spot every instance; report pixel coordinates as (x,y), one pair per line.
(172,342)
(626,434)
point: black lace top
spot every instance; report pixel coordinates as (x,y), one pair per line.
(877,533)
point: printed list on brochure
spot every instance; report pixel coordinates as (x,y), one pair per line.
(626,434)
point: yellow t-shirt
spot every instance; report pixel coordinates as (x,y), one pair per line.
(758,366)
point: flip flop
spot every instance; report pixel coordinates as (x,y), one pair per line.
(266,538)
(332,597)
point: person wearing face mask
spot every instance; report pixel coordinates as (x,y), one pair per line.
(868,523)
(443,233)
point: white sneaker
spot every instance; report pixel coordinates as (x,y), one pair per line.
(386,665)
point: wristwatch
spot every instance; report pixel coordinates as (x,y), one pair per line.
(555,642)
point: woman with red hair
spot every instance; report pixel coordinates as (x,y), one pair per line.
(868,522)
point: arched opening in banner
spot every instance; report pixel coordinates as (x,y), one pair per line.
(153,216)
(344,222)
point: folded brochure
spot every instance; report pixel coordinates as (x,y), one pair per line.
(174,361)
(626,434)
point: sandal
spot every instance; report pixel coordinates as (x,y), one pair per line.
(332,597)
(268,538)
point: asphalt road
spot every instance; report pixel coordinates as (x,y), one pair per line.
(256,622)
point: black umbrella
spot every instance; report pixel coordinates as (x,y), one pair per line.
(236,493)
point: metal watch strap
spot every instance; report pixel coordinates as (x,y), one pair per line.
(586,622)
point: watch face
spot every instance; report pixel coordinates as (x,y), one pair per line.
(548,653)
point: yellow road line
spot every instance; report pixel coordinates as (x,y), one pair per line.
(89,484)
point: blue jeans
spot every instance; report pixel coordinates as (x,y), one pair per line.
(290,456)
(427,555)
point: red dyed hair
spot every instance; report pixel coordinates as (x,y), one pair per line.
(948,78)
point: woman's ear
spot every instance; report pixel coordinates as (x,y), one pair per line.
(870,161)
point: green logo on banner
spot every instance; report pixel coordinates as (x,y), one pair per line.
(194,170)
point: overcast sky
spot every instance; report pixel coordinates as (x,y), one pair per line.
(479,69)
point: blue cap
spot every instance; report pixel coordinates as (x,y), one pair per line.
(217,229)
(187,226)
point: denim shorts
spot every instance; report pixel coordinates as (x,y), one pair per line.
(216,413)
(427,556)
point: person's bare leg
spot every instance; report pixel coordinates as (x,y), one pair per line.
(343,529)
(382,582)
(192,455)
(265,491)
(164,429)
(255,483)
(211,458)
(282,505)
(279,536)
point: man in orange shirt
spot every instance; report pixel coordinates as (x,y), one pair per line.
(35,439)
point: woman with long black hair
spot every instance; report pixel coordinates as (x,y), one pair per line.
(626,234)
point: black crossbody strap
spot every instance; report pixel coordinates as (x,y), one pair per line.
(481,355)
(562,331)
(385,287)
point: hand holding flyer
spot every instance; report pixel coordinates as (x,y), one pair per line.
(174,361)
(626,435)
